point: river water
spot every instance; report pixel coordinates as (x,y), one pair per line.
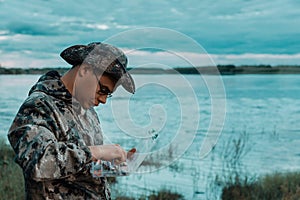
(253,116)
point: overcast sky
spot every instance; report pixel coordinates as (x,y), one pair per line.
(33,33)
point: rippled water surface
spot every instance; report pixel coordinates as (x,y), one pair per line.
(263,110)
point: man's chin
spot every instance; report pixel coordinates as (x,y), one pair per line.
(87,106)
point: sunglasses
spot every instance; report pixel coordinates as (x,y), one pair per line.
(103,89)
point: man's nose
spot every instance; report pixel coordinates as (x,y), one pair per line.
(102,99)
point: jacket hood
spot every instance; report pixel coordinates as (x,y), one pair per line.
(51,84)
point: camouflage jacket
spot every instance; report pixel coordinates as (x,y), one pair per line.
(50,135)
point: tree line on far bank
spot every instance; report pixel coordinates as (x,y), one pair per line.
(219,69)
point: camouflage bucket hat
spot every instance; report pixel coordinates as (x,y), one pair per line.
(103,58)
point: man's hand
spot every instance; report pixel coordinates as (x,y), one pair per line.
(109,152)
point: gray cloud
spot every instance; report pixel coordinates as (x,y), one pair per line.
(220,27)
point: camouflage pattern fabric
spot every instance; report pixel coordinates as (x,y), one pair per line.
(50,135)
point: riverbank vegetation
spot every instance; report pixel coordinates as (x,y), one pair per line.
(275,186)
(11,177)
(237,184)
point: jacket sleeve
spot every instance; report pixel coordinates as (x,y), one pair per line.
(34,136)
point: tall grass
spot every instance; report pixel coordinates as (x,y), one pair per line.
(11,176)
(160,195)
(278,186)
(237,184)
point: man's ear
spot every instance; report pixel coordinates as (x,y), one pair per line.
(84,70)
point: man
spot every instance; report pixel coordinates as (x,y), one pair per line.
(56,134)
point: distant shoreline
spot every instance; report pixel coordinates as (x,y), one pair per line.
(223,70)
